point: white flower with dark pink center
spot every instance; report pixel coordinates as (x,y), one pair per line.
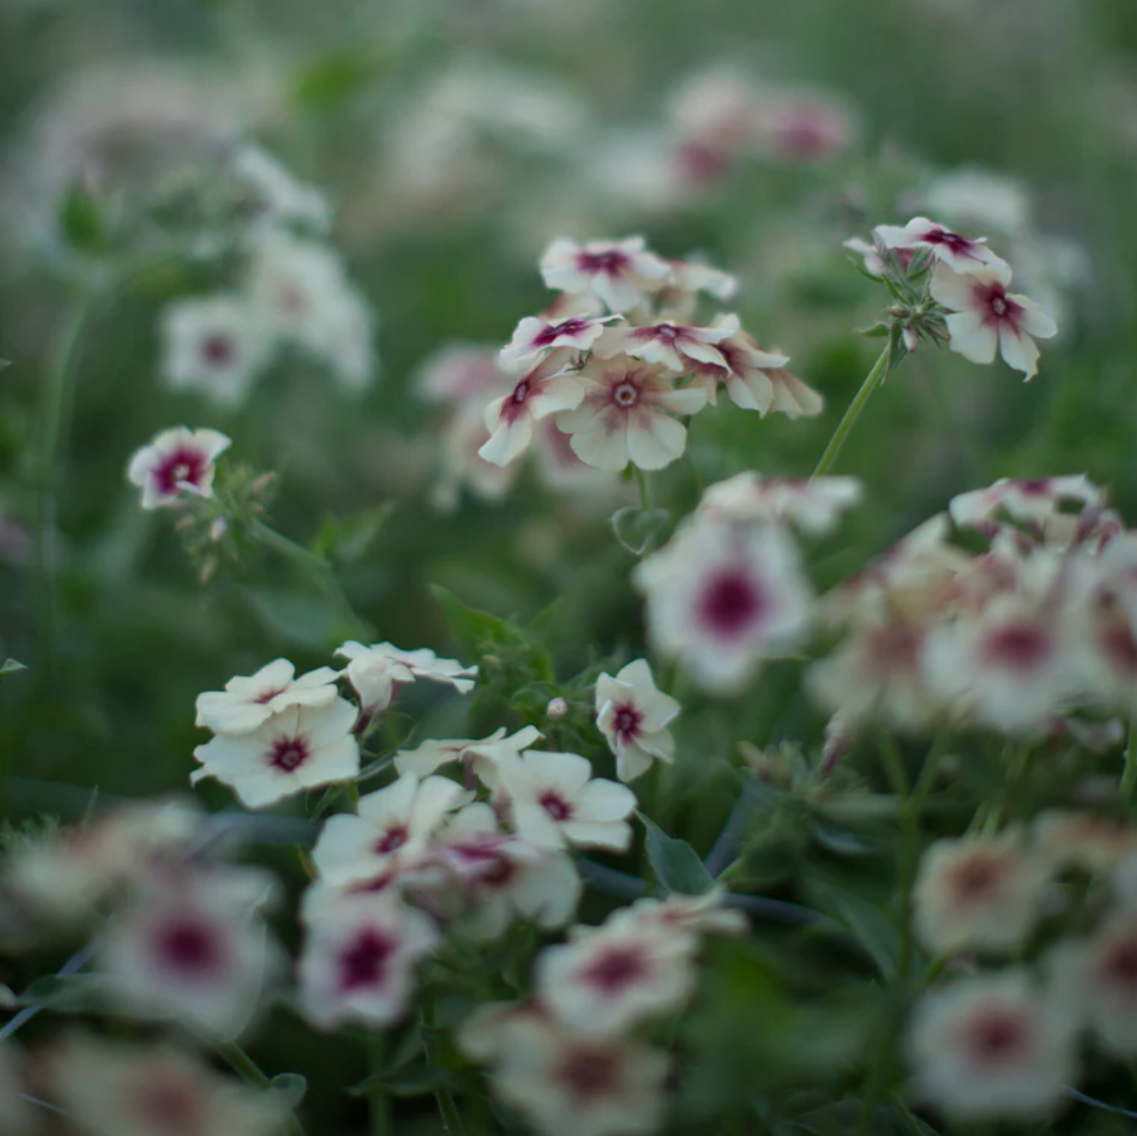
(276,195)
(678,348)
(622,274)
(1033,502)
(536,335)
(458,371)
(550,387)
(217,345)
(755,379)
(804,126)
(691,914)
(633,716)
(608,979)
(1094,843)
(176,463)
(377,672)
(555,800)
(249,701)
(985,318)
(960,254)
(397,821)
(625,416)
(992,1046)
(359,960)
(723,599)
(193,948)
(303,747)
(690,276)
(153,1089)
(981,893)
(559,1080)
(814,505)
(480,755)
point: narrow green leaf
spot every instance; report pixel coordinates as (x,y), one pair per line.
(676,864)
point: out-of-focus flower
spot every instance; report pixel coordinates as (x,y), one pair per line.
(1039,503)
(982,893)
(247,703)
(300,748)
(462,464)
(723,598)
(633,716)
(192,947)
(1096,844)
(607,979)
(986,319)
(397,821)
(814,505)
(217,345)
(691,914)
(980,199)
(276,196)
(621,274)
(153,1090)
(990,1047)
(457,372)
(555,800)
(960,254)
(623,416)
(378,671)
(804,126)
(176,462)
(359,960)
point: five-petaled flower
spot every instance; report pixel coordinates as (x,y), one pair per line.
(621,274)
(633,716)
(177,462)
(960,254)
(249,701)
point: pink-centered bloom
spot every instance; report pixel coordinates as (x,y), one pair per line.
(813,505)
(1094,843)
(985,318)
(247,702)
(993,1046)
(622,274)
(535,335)
(1037,503)
(633,716)
(303,747)
(625,416)
(548,388)
(723,598)
(483,755)
(960,254)
(359,960)
(676,347)
(177,462)
(377,672)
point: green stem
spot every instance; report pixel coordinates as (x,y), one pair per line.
(845,427)
(645,489)
(252,1074)
(379,1102)
(1129,776)
(318,570)
(443,1097)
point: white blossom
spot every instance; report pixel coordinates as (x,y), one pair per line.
(248,702)
(622,274)
(484,754)
(536,334)
(814,505)
(378,671)
(960,254)
(676,347)
(176,462)
(633,716)
(277,196)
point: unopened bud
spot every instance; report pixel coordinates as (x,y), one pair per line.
(557,708)
(218,529)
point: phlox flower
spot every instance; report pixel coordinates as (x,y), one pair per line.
(562,1082)
(548,388)
(689,277)
(1037,503)
(302,747)
(276,196)
(153,1089)
(981,893)
(458,371)
(247,702)
(622,274)
(676,347)
(376,672)
(193,947)
(484,754)
(690,914)
(1096,844)
(754,378)
(633,716)
(176,462)
(537,334)
(804,126)
(462,466)
(555,800)
(622,417)
(992,1046)
(395,821)
(961,255)
(723,598)
(216,345)
(359,960)
(985,318)
(607,979)
(814,505)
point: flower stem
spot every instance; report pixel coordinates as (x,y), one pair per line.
(845,427)
(379,1102)
(1129,776)
(645,489)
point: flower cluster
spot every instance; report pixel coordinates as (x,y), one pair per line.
(571,1049)
(609,360)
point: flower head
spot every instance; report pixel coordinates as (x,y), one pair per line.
(536,335)
(813,505)
(958,253)
(248,702)
(633,716)
(675,347)
(176,462)
(621,274)
(378,671)
(484,754)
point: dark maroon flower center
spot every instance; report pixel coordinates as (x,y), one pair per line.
(616,969)
(976,880)
(183,465)
(555,805)
(589,1074)
(364,963)
(626,394)
(190,949)
(997,1037)
(730,604)
(951,240)
(1017,646)
(1035,487)
(393,839)
(626,722)
(612,263)
(999,307)
(217,350)
(288,754)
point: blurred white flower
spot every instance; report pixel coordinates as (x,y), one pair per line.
(621,274)
(302,747)
(458,371)
(217,345)
(1037,502)
(691,914)
(359,960)
(377,672)
(961,255)
(247,703)
(633,716)
(970,197)
(992,1046)
(814,505)
(176,462)
(1096,844)
(278,198)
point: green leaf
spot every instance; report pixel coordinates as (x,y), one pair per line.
(877,331)
(291,1087)
(348,539)
(410,1081)
(639,529)
(875,932)
(470,628)
(84,221)
(310,621)
(675,863)
(10,666)
(80,993)
(332,81)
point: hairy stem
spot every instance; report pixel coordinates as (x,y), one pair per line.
(845,427)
